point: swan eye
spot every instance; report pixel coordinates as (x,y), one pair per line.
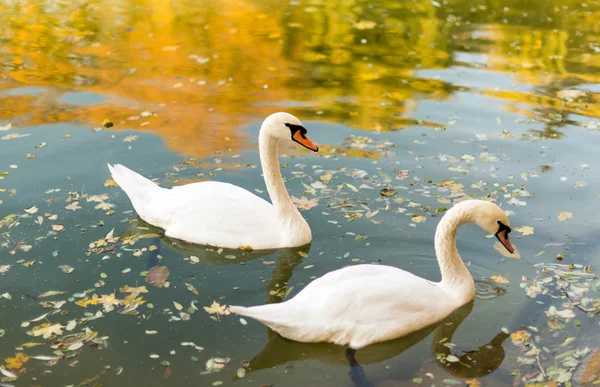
(297,128)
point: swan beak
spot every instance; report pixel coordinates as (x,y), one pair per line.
(304,141)
(503,238)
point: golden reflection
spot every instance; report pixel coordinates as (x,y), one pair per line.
(213,67)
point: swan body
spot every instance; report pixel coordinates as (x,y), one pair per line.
(222,214)
(365,304)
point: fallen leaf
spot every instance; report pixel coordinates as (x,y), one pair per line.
(157,276)
(499,279)
(31,210)
(564,216)
(73,206)
(4,268)
(130,138)
(418,218)
(97,198)
(473,383)
(17,361)
(525,230)
(191,288)
(217,308)
(110,183)
(305,204)
(91,301)
(138,290)
(178,306)
(57,227)
(47,330)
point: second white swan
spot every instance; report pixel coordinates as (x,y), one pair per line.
(222,214)
(365,304)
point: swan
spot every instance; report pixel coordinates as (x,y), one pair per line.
(222,214)
(366,304)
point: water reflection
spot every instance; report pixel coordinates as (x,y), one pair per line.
(205,65)
(473,363)
(283,265)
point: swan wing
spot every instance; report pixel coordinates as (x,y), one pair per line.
(357,306)
(218,214)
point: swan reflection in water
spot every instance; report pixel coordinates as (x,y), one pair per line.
(474,363)
(282,269)
(278,351)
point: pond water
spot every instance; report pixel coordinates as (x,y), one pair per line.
(432,100)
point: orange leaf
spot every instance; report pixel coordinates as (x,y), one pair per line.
(17,361)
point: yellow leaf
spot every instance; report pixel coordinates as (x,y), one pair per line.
(31,344)
(217,308)
(499,279)
(91,301)
(525,230)
(17,361)
(564,215)
(473,383)
(519,335)
(178,306)
(138,290)
(110,183)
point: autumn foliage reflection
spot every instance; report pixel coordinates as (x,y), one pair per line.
(210,67)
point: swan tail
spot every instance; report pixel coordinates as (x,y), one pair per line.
(269,314)
(139,189)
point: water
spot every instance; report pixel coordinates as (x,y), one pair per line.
(477,93)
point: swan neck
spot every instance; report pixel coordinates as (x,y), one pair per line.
(269,161)
(455,276)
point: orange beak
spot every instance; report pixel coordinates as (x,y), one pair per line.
(304,141)
(503,238)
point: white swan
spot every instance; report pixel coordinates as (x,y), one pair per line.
(221,214)
(365,304)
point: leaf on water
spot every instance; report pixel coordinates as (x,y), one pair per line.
(47,330)
(50,293)
(5,127)
(97,198)
(17,361)
(216,364)
(178,306)
(138,290)
(525,230)
(452,359)
(564,215)
(157,276)
(305,204)
(130,138)
(14,135)
(4,268)
(110,183)
(73,206)
(473,383)
(104,206)
(91,301)
(191,288)
(57,227)
(499,279)
(387,192)
(31,210)
(418,218)
(592,369)
(217,308)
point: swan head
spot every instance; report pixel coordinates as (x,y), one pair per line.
(284,126)
(494,220)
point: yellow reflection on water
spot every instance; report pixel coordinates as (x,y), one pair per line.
(206,68)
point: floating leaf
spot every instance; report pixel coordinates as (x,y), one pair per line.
(525,230)
(564,216)
(17,361)
(191,288)
(305,204)
(217,308)
(157,276)
(499,279)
